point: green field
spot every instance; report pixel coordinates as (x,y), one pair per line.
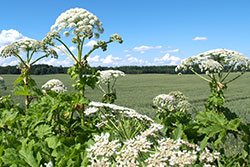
(137,91)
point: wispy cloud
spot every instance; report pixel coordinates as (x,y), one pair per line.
(9,36)
(167,60)
(143,48)
(57,62)
(174,51)
(200,39)
(109,60)
(91,43)
(171,51)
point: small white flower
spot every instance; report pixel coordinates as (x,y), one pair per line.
(76,19)
(91,110)
(174,101)
(54,85)
(108,76)
(215,61)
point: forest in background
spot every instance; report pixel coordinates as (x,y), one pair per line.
(43,69)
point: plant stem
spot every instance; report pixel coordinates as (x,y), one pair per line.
(199,75)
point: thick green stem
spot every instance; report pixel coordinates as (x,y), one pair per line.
(71,54)
(31,56)
(19,57)
(199,75)
(228,72)
(38,59)
(26,97)
(93,49)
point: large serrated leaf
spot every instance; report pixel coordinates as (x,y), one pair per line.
(43,130)
(53,142)
(27,154)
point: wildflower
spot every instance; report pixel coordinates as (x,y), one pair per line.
(91,110)
(174,101)
(79,21)
(102,147)
(54,85)
(208,157)
(47,165)
(215,61)
(25,45)
(107,76)
(128,112)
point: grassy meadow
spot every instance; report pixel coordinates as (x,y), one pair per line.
(137,91)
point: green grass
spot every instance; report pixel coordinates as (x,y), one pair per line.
(137,91)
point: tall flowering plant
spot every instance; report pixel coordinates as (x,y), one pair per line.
(217,65)
(108,79)
(82,25)
(29,47)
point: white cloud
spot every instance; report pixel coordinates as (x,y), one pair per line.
(95,59)
(167,59)
(110,60)
(174,51)
(135,60)
(143,48)
(200,39)
(56,62)
(128,55)
(8,61)
(91,43)
(9,36)
(171,51)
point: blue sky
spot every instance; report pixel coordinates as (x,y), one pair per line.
(159,32)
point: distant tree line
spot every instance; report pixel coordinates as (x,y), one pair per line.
(42,69)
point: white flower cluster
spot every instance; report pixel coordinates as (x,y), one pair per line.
(2,83)
(54,85)
(102,147)
(172,102)
(79,21)
(51,35)
(107,76)
(118,110)
(25,45)
(163,152)
(215,61)
(47,165)
(116,37)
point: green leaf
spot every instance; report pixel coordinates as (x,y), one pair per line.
(22,90)
(19,79)
(43,130)
(178,132)
(234,124)
(204,143)
(27,154)
(10,156)
(38,158)
(53,142)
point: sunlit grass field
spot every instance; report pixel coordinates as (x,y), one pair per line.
(137,91)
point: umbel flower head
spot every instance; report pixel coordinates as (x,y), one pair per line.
(54,85)
(80,22)
(172,102)
(108,76)
(215,61)
(25,45)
